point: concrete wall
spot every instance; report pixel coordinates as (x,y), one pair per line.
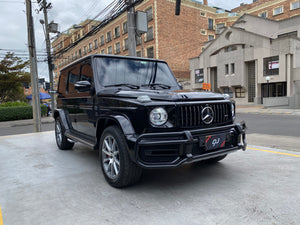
(277,101)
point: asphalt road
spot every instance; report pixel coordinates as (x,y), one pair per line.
(43,185)
(286,125)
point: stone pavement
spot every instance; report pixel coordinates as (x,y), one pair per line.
(240,109)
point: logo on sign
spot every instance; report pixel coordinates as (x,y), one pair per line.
(216,141)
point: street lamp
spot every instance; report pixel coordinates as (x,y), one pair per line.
(268,87)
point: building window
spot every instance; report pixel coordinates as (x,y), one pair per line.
(289,34)
(79,52)
(150,52)
(295,5)
(263,14)
(231,48)
(118,48)
(117,32)
(278,11)
(275,89)
(125,44)
(69,59)
(149,14)
(138,40)
(220,27)
(232,68)
(102,40)
(227,90)
(211,37)
(203,32)
(149,34)
(109,50)
(210,24)
(108,36)
(199,76)
(226,69)
(102,51)
(139,54)
(271,66)
(76,55)
(90,47)
(202,14)
(239,92)
(95,44)
(125,30)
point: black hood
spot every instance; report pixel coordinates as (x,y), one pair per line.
(165,95)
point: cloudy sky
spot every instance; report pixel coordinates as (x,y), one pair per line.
(13,35)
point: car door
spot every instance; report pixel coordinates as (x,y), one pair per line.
(86,120)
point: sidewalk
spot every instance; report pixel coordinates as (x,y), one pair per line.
(16,123)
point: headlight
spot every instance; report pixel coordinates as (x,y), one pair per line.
(233,111)
(158,116)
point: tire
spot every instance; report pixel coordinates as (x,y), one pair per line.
(119,171)
(61,140)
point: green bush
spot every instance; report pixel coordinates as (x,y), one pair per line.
(19,112)
(13,104)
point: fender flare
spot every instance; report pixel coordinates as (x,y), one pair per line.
(62,115)
(122,121)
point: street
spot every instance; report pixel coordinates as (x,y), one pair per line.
(43,185)
(275,131)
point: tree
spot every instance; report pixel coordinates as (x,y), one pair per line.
(12,76)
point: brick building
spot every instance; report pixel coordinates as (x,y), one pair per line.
(271,9)
(169,37)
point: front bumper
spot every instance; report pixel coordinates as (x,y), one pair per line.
(172,149)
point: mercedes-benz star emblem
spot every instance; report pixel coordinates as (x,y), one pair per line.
(207,115)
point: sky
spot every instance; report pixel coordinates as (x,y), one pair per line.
(13,23)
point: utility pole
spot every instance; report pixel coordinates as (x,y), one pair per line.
(44,6)
(131,29)
(36,109)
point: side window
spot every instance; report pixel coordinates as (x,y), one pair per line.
(86,72)
(63,82)
(72,79)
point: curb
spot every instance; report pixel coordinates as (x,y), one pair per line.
(17,123)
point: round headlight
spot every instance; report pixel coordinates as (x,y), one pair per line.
(233,111)
(158,116)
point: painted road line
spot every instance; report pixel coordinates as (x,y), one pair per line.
(280,153)
(28,134)
(1,220)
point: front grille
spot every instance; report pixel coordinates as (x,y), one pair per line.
(190,115)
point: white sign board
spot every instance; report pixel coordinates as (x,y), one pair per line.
(273,65)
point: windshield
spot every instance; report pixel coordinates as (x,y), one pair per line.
(134,73)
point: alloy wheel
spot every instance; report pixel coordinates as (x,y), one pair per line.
(110,157)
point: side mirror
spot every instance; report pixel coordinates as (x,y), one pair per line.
(83,86)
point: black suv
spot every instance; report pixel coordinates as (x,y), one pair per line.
(134,112)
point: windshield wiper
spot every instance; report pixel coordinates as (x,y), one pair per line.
(153,85)
(132,86)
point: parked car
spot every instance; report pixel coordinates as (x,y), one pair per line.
(133,111)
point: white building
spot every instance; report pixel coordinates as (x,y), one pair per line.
(257,60)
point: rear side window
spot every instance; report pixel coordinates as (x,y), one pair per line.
(73,77)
